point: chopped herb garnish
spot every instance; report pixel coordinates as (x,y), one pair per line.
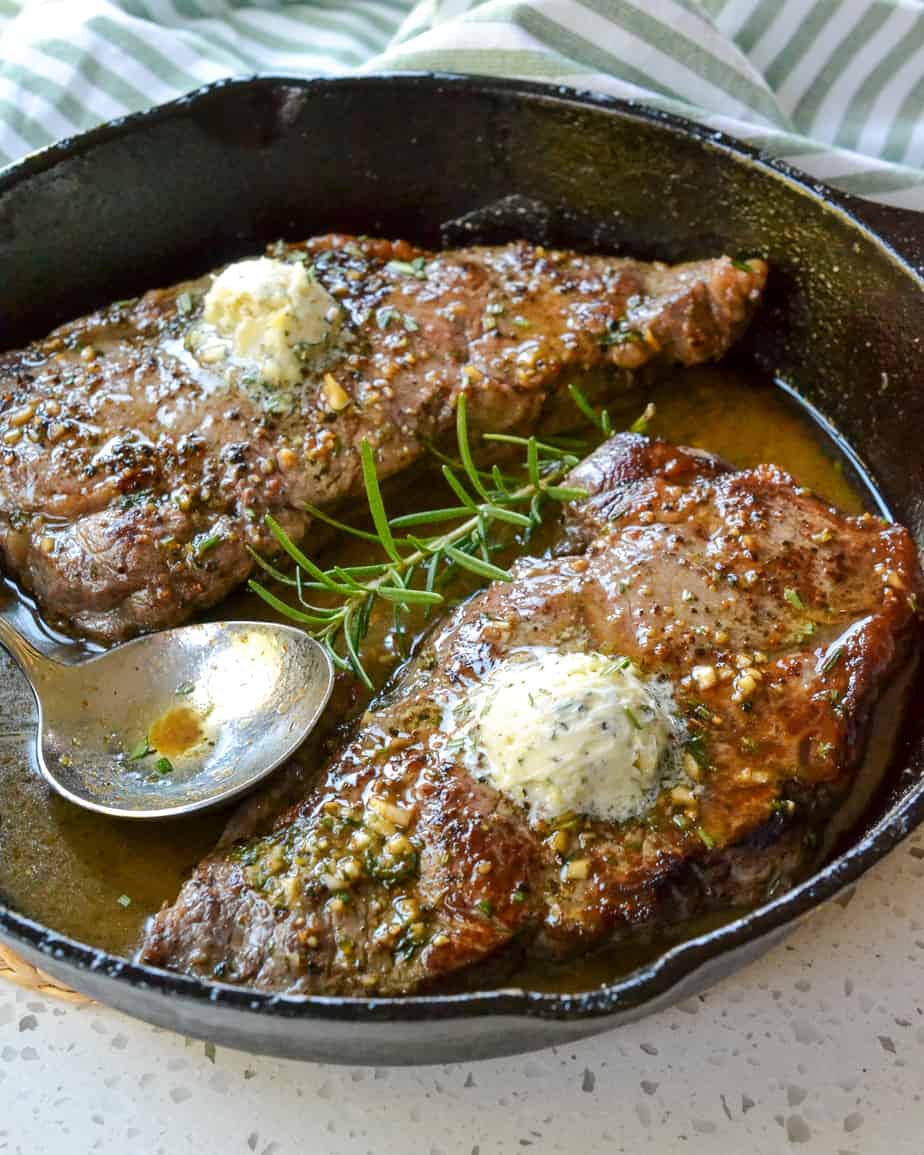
(700,711)
(416,268)
(163,766)
(743,266)
(805,631)
(253,379)
(696,747)
(792,596)
(391,871)
(832,659)
(706,837)
(633,717)
(825,749)
(142,750)
(124,900)
(185,688)
(519,895)
(203,542)
(184,304)
(410,324)
(131,500)
(681,821)
(486,906)
(385,316)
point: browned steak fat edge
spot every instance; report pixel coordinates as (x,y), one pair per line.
(400,868)
(132,481)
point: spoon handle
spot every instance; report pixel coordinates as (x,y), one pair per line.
(30,660)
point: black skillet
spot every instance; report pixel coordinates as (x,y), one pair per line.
(165,194)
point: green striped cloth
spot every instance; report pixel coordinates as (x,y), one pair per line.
(835,86)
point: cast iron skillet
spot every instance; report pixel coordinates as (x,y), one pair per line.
(165,194)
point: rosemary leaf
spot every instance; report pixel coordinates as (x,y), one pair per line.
(376,504)
(477,565)
(508,515)
(499,482)
(274,573)
(327,613)
(346,577)
(546,447)
(431,516)
(371,570)
(340,662)
(566,493)
(320,515)
(283,607)
(404,595)
(640,424)
(458,488)
(601,419)
(465,448)
(532,462)
(432,568)
(353,638)
(365,612)
(301,559)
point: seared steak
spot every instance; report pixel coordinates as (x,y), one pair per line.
(774,620)
(134,475)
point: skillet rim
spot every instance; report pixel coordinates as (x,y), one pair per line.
(654,982)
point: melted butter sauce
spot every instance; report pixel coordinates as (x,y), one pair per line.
(74,870)
(176,731)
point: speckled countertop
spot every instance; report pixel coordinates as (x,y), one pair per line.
(817,1047)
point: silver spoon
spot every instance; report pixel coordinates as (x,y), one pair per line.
(177,721)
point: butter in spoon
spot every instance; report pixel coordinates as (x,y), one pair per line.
(176,721)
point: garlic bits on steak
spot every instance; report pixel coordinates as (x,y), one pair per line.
(564,732)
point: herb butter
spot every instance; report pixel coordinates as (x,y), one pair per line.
(564,732)
(269,316)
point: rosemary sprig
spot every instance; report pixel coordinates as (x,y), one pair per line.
(413,568)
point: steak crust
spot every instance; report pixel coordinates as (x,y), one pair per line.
(400,870)
(133,481)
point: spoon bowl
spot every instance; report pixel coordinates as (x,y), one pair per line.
(176,721)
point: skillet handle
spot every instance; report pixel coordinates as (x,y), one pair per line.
(902,229)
